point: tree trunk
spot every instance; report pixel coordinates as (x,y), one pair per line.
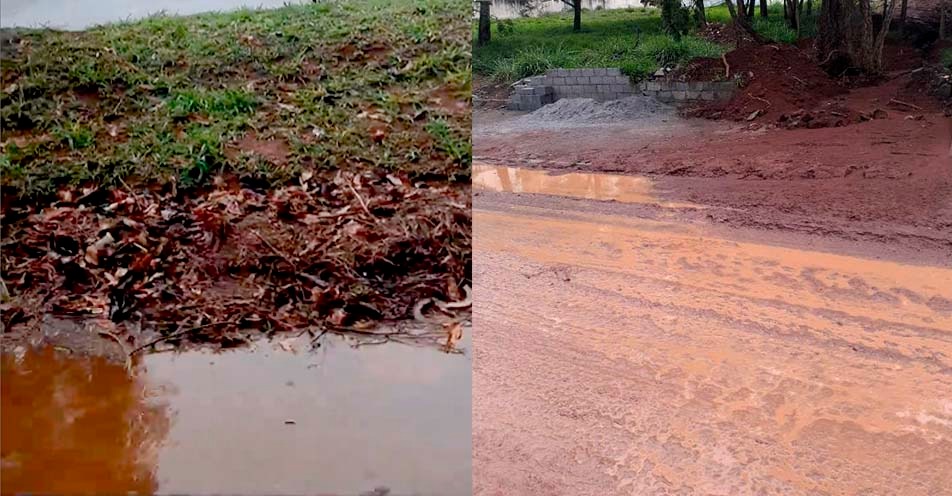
(845,37)
(790,13)
(701,16)
(880,37)
(741,10)
(902,15)
(943,8)
(798,15)
(730,9)
(577,22)
(740,21)
(809,7)
(763,8)
(484,30)
(750,8)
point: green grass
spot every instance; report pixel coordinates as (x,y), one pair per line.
(171,98)
(631,39)
(608,39)
(774,27)
(945,57)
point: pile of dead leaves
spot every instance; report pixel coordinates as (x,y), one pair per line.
(337,251)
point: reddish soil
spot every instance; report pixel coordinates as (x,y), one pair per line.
(886,180)
(274,151)
(775,82)
(783,85)
(617,356)
(489,94)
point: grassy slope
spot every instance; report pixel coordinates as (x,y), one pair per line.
(534,45)
(331,85)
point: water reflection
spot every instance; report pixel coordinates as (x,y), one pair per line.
(274,418)
(628,189)
(76,426)
(591,186)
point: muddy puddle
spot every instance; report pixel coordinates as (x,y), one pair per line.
(590,186)
(274,418)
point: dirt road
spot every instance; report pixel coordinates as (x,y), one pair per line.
(636,357)
(661,344)
(887,181)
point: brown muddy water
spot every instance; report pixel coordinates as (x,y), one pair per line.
(275,418)
(589,186)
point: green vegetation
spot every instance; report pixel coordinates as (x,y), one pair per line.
(946,58)
(774,27)
(631,39)
(675,18)
(349,84)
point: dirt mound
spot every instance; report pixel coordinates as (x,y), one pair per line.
(489,94)
(776,81)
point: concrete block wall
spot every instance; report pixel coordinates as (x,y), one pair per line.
(689,92)
(610,84)
(531,97)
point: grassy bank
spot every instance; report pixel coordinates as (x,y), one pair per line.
(213,177)
(261,94)
(631,39)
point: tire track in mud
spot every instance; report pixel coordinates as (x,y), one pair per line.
(624,356)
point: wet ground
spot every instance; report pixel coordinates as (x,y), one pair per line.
(743,344)
(81,14)
(885,182)
(276,418)
(625,189)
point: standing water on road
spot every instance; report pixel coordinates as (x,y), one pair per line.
(266,419)
(590,186)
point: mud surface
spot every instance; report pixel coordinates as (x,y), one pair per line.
(655,357)
(276,418)
(887,181)
(703,308)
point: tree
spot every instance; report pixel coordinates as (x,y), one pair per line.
(699,12)
(943,11)
(577,9)
(740,19)
(846,38)
(675,18)
(902,15)
(484,31)
(763,8)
